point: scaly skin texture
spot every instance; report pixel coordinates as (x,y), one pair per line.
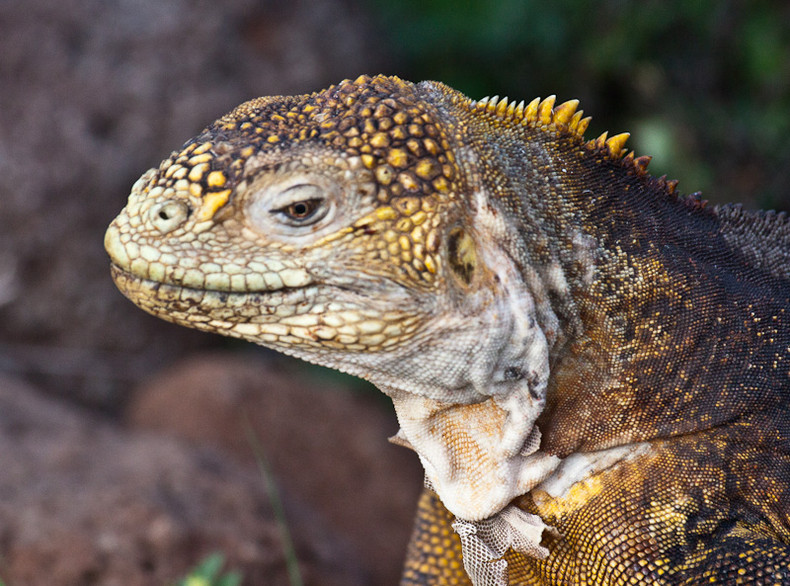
(592,369)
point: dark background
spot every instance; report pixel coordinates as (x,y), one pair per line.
(94,92)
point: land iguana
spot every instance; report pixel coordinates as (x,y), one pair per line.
(592,368)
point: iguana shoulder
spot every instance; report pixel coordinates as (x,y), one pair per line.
(592,368)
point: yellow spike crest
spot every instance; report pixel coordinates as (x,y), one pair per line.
(566,116)
(565,111)
(616,144)
(545,111)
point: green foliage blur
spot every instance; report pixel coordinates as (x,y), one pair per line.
(209,573)
(702,85)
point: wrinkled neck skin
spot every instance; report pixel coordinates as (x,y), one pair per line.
(470,389)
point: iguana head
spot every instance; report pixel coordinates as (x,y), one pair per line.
(314,208)
(356,229)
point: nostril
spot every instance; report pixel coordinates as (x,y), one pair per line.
(168,215)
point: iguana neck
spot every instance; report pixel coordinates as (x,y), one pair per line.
(653,331)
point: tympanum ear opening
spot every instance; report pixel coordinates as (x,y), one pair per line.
(462,255)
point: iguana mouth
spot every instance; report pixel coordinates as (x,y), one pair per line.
(246,313)
(290,318)
(117,272)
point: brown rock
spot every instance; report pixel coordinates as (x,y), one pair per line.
(82,502)
(325,446)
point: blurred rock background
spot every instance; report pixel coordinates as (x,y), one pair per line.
(97,398)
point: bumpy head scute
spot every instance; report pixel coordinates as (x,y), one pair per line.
(378,119)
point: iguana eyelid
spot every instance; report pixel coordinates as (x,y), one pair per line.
(268,209)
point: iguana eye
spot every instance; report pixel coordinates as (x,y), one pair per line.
(301,205)
(301,211)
